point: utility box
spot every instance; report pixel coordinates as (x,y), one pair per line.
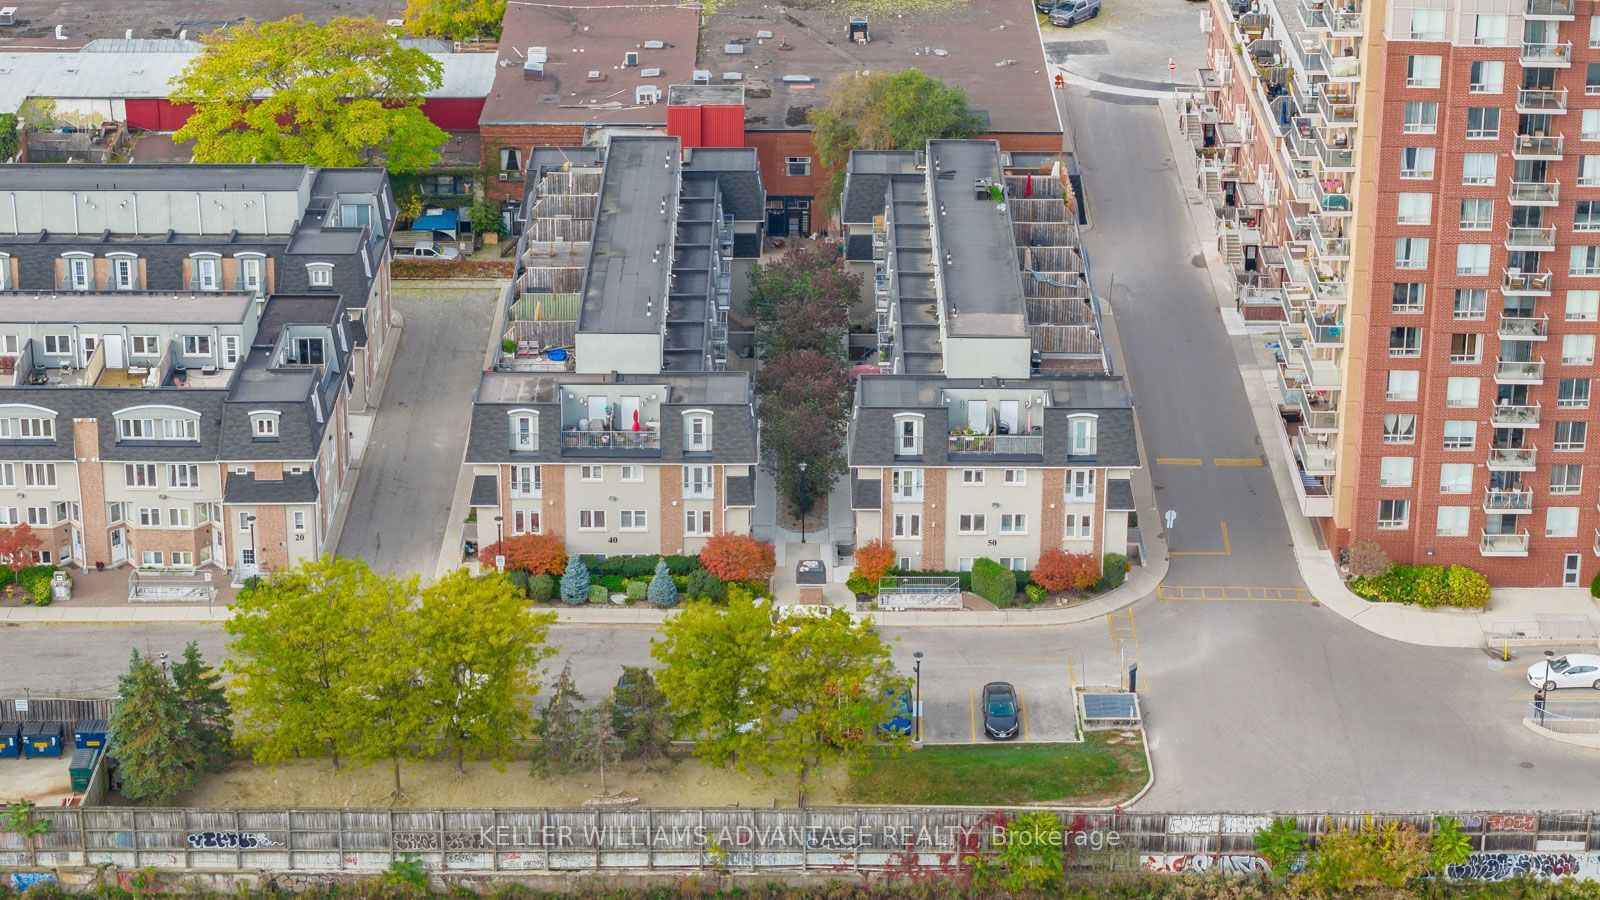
(82,768)
(10,739)
(60,587)
(90,734)
(41,739)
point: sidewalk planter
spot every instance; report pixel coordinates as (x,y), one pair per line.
(1425,586)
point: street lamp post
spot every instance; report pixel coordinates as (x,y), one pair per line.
(255,550)
(802,514)
(499,543)
(916,717)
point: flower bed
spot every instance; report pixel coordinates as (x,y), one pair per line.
(1425,586)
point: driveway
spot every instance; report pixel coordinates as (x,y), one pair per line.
(408,476)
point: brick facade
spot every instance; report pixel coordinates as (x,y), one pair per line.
(523,138)
(1053,513)
(92,493)
(719,505)
(671,480)
(554,486)
(934,510)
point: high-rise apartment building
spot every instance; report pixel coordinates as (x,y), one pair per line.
(1413,189)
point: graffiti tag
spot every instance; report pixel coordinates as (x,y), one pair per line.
(1513,823)
(1220,863)
(1503,866)
(416,840)
(21,881)
(1214,824)
(230,840)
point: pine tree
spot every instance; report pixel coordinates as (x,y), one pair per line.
(639,715)
(210,717)
(157,758)
(662,591)
(560,726)
(575,582)
(597,746)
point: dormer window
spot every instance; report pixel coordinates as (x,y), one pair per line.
(354,215)
(524,430)
(27,423)
(1081,438)
(205,272)
(264,424)
(251,273)
(157,423)
(908,435)
(124,271)
(697,431)
(320,275)
(5,271)
(77,272)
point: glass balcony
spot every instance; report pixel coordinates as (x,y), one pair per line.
(1344,23)
(70,283)
(1536,146)
(1542,240)
(1337,104)
(1546,55)
(1533,101)
(1315,458)
(1325,332)
(1512,459)
(1299,139)
(1550,9)
(1515,502)
(1508,416)
(1329,238)
(1332,194)
(1524,328)
(1516,283)
(1334,155)
(1535,193)
(1503,544)
(1519,371)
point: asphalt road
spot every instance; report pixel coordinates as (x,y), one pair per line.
(408,476)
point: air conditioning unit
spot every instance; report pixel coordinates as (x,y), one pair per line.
(702,76)
(505,176)
(8,15)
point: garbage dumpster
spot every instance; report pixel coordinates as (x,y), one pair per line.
(89,734)
(41,739)
(82,768)
(10,739)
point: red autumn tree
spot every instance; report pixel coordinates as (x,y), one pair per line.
(19,544)
(736,557)
(540,554)
(873,561)
(1058,570)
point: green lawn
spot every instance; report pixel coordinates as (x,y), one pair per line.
(1094,773)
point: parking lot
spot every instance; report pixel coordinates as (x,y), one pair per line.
(953,714)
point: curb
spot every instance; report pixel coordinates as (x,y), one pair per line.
(1591,742)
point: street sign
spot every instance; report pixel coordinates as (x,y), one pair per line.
(1171,517)
(22,705)
(500,560)
(1171,66)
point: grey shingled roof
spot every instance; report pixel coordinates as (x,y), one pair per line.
(485,490)
(1119,495)
(865,493)
(301,488)
(740,491)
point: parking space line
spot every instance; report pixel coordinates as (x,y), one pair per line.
(1022,709)
(1237,463)
(1227,546)
(1192,592)
(972,715)
(1179,461)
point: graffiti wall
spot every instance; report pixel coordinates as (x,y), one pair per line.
(1503,866)
(1221,863)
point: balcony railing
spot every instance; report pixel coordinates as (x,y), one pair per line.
(1524,328)
(1525,283)
(69,283)
(126,284)
(1508,416)
(1337,109)
(1553,9)
(997,444)
(1539,239)
(1512,459)
(645,440)
(1519,371)
(1546,54)
(1514,501)
(1344,23)
(1330,245)
(1316,459)
(1533,101)
(1328,333)
(1535,193)
(205,284)
(250,285)
(1503,544)
(1334,157)
(1535,146)
(1332,193)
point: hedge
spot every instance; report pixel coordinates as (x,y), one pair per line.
(994,582)
(1113,571)
(638,566)
(1425,586)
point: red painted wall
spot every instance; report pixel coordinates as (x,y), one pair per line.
(453,113)
(707,126)
(161,114)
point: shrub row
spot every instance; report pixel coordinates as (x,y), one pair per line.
(1426,586)
(33,582)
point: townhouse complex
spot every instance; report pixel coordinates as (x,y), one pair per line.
(180,350)
(995,429)
(1413,189)
(606,413)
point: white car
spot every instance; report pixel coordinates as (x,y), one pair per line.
(1575,670)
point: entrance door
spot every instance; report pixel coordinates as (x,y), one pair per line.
(77,546)
(777,223)
(119,546)
(1569,569)
(116,357)
(247,564)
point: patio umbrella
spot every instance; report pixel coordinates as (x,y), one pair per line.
(636,420)
(1027,188)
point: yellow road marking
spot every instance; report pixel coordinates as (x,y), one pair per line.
(1022,709)
(1232,592)
(972,715)
(1236,462)
(1072,676)
(1179,461)
(1227,546)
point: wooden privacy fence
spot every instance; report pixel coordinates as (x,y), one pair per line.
(822,839)
(49,709)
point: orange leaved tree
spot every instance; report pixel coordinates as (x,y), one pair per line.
(737,557)
(540,554)
(1058,570)
(873,561)
(19,545)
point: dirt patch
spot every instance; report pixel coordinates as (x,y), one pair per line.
(44,780)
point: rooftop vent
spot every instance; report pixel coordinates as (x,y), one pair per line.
(797,79)
(395,23)
(732,76)
(702,76)
(596,75)
(763,35)
(733,49)
(655,45)
(8,15)
(650,73)
(631,58)
(533,66)
(646,93)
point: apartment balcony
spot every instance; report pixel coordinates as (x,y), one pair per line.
(1332,192)
(1518,371)
(1535,193)
(1325,332)
(1546,56)
(1533,101)
(1329,239)
(1307,371)
(1298,140)
(1512,459)
(1516,283)
(1537,146)
(1524,328)
(1315,458)
(1515,502)
(1507,416)
(1336,104)
(645,442)
(1503,544)
(1334,155)
(1344,24)
(1541,240)
(1558,10)
(998,445)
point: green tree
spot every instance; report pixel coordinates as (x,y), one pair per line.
(886,111)
(479,652)
(10,141)
(299,640)
(385,697)
(596,746)
(1280,844)
(560,727)
(293,91)
(639,715)
(662,592)
(713,674)
(460,20)
(575,582)
(210,717)
(1030,859)
(157,757)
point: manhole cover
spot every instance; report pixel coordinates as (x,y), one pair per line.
(1527,765)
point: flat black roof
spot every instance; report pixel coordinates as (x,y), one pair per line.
(625,285)
(977,262)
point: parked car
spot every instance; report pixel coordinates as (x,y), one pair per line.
(1071,12)
(1002,715)
(1045,6)
(1575,670)
(428,250)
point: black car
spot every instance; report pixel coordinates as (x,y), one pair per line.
(1002,715)
(1044,6)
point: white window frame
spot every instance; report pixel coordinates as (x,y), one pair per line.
(633,520)
(972,523)
(591,520)
(1013,523)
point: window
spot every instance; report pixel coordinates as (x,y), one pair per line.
(1588,171)
(1080,436)
(908,435)
(264,426)
(1416,209)
(964,564)
(591,520)
(511,160)
(1466,348)
(1573,393)
(1015,477)
(245,520)
(139,475)
(697,482)
(1399,428)
(354,215)
(1411,253)
(58,344)
(1589,127)
(1583,306)
(1566,478)
(697,433)
(8,515)
(180,517)
(1453,521)
(520,522)
(28,428)
(1470,304)
(632,520)
(526,481)
(1422,117)
(906,484)
(1489,30)
(8,475)
(697,522)
(1561,521)
(197,345)
(124,272)
(1477,168)
(1408,297)
(151,559)
(1460,435)
(972,476)
(205,274)
(1423,71)
(116,513)
(319,275)
(1395,471)
(1571,435)
(144,345)
(524,431)
(1078,526)
(1594,31)
(39,474)
(1476,214)
(1483,122)
(1586,215)
(1487,77)
(1403,386)
(150,516)
(1461,392)
(1013,523)
(1577,349)
(907,525)
(1472,259)
(634,474)
(972,523)
(250,269)
(1393,514)
(1455,478)
(1416,162)
(1014,563)
(797,166)
(591,473)
(1405,341)
(1584,261)
(183,558)
(1080,485)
